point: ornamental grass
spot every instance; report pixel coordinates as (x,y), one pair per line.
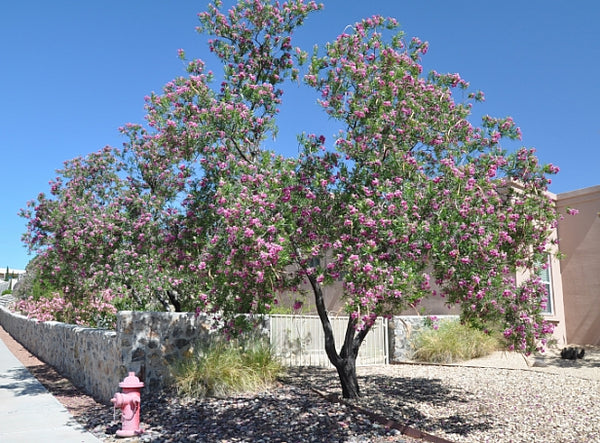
(452,342)
(224,367)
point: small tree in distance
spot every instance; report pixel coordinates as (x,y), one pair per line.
(409,193)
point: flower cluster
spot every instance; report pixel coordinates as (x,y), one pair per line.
(96,311)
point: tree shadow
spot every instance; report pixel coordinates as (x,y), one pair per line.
(403,399)
(407,395)
(20,382)
(53,380)
(590,360)
(295,412)
(287,415)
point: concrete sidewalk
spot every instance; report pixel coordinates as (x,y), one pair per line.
(28,412)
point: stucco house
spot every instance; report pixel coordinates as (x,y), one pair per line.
(579,271)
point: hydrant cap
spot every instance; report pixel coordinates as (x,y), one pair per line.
(131,382)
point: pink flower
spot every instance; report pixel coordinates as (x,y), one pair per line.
(260,277)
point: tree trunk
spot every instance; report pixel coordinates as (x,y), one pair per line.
(346,364)
(345,361)
(347,373)
(174,299)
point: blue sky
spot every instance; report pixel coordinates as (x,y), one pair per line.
(72,72)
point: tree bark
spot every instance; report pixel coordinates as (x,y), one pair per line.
(332,354)
(347,373)
(345,361)
(347,367)
(173,298)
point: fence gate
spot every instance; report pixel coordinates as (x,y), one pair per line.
(298,340)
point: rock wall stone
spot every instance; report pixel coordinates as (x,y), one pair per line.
(150,341)
(146,343)
(402,329)
(87,356)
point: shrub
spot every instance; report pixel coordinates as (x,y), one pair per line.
(94,310)
(452,342)
(6,291)
(224,367)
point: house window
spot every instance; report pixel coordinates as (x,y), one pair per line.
(546,276)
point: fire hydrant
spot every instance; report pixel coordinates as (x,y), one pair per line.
(129,403)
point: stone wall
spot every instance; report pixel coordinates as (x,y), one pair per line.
(145,343)
(87,356)
(150,341)
(402,329)
(96,360)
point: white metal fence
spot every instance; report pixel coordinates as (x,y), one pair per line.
(299,340)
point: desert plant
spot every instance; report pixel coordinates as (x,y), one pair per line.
(453,341)
(223,367)
(411,190)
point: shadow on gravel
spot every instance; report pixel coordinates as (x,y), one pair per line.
(590,360)
(53,381)
(406,397)
(285,414)
(295,412)
(298,418)
(404,400)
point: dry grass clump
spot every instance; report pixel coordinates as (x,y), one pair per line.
(224,367)
(452,342)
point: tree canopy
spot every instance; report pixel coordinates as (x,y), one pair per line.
(412,197)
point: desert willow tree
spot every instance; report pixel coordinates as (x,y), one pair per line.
(409,193)
(97,238)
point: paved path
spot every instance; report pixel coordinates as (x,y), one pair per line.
(28,412)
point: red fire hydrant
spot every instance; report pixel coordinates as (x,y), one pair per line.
(129,403)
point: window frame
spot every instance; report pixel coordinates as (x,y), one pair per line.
(549,286)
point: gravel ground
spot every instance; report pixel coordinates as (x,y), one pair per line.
(497,399)
(456,403)
(287,413)
(467,404)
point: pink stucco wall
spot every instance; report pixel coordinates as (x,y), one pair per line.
(579,238)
